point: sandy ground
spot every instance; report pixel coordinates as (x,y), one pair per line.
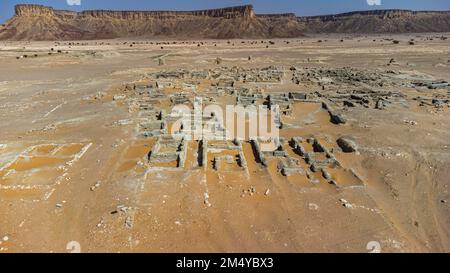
(70,172)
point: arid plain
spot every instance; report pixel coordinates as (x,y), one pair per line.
(81,159)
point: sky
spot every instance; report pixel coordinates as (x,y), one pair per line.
(300,7)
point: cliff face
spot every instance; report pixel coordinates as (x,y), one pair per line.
(379,21)
(28,10)
(35,22)
(33,10)
(227,13)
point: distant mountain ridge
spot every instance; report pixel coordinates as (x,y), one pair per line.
(379,21)
(36,22)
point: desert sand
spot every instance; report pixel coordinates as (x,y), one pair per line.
(76,156)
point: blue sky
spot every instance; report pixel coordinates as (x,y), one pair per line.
(300,7)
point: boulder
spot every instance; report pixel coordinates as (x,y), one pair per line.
(347,145)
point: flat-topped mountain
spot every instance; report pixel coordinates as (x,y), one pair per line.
(36,22)
(379,21)
(38,10)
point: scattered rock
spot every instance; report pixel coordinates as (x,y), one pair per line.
(381,105)
(123,208)
(99,95)
(345,203)
(337,118)
(119,97)
(95,186)
(326,174)
(129,222)
(410,122)
(206,199)
(123,122)
(315,181)
(313,206)
(347,145)
(392,61)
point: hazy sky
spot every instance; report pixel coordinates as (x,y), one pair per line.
(300,7)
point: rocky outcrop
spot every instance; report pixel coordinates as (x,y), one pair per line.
(33,10)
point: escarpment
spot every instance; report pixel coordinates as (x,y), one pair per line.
(379,21)
(36,22)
